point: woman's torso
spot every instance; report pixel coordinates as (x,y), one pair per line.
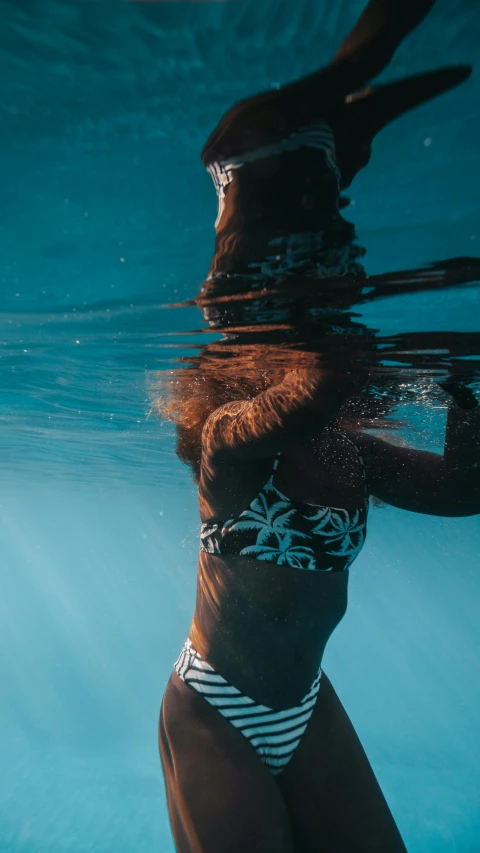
(264,625)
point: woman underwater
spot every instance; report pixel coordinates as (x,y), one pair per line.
(257,751)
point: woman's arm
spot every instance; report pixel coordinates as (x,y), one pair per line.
(288,413)
(271,115)
(380,29)
(420,481)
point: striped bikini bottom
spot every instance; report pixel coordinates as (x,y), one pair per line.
(274,735)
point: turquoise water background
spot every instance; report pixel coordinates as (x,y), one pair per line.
(106,216)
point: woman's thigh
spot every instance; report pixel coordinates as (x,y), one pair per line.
(334,800)
(221,798)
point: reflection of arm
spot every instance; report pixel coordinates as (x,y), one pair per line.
(380,29)
(419,481)
(288,413)
(270,115)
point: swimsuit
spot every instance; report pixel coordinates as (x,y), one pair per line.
(288,533)
(274,735)
(301,535)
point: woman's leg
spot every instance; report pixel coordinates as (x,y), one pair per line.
(334,800)
(221,798)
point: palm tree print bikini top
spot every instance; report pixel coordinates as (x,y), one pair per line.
(301,535)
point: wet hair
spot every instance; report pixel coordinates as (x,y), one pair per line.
(189,394)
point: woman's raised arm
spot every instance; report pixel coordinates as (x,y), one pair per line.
(275,113)
(288,413)
(420,481)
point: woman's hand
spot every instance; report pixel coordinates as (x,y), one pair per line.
(460,392)
(420,481)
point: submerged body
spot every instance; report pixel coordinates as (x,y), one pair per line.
(252,734)
(284,485)
(282,606)
(261,625)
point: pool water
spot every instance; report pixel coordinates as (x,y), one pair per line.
(107,219)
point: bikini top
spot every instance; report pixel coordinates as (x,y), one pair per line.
(279,530)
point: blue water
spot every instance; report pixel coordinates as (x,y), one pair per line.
(106,217)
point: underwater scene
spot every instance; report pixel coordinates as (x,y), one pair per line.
(240,426)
